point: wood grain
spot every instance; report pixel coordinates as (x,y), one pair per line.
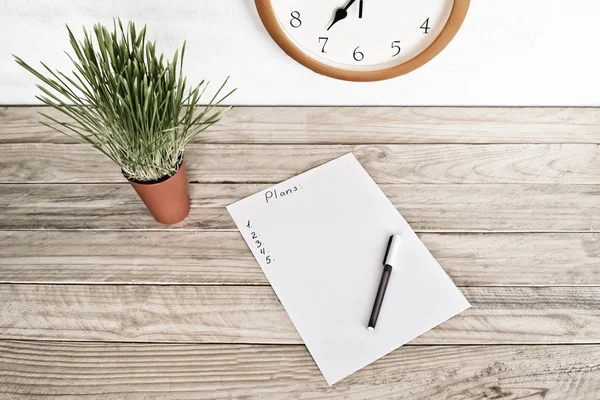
(76,370)
(514,208)
(359,125)
(253,314)
(506,199)
(387,164)
(220,257)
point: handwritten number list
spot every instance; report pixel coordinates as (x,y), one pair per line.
(259,244)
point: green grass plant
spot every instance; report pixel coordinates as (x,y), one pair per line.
(130,104)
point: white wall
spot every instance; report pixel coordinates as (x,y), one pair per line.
(509,52)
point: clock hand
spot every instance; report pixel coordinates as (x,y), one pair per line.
(341,13)
(360,8)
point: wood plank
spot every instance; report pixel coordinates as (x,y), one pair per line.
(220,257)
(387,164)
(426,207)
(138,257)
(253,314)
(359,125)
(76,370)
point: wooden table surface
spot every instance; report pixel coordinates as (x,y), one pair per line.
(98,299)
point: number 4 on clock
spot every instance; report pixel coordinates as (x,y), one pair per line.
(425,26)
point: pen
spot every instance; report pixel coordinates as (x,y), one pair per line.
(391,254)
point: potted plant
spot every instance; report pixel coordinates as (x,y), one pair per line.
(135,108)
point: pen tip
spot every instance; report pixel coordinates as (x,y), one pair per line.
(371,328)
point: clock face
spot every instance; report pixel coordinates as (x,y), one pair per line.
(362,35)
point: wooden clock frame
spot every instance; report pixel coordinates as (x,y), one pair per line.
(455,20)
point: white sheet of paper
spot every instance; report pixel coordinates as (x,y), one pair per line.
(320,239)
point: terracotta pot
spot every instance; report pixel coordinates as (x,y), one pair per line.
(168,200)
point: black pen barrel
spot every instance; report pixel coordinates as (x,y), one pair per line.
(385,277)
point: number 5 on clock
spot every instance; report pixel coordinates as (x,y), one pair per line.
(396,45)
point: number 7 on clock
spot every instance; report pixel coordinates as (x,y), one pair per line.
(325,39)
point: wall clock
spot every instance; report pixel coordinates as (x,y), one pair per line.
(362,40)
